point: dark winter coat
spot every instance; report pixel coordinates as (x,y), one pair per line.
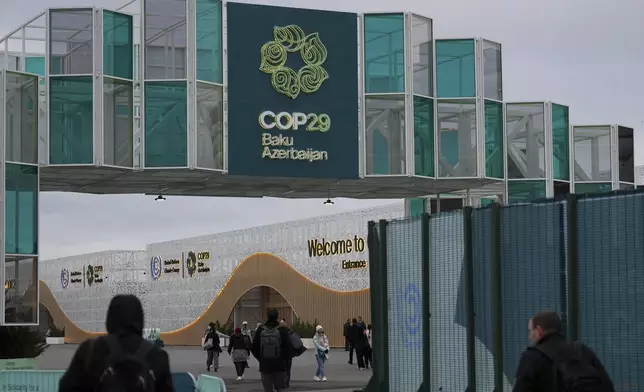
(272,365)
(124,321)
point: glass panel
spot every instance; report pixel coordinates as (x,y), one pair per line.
(21,118)
(594,187)
(417,206)
(165,39)
(423,55)
(560,143)
(525,128)
(71,46)
(210,127)
(166,124)
(21,209)
(523,191)
(626,157)
(457,139)
(592,153)
(118,114)
(492,71)
(445,204)
(35,65)
(117,45)
(424,136)
(385,129)
(494,139)
(455,68)
(626,186)
(71,125)
(21,290)
(561,188)
(209,41)
(384,53)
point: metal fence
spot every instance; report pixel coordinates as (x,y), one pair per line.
(452,293)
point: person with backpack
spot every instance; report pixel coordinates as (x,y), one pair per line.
(122,360)
(212,345)
(552,364)
(272,349)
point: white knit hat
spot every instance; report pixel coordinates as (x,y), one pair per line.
(318,328)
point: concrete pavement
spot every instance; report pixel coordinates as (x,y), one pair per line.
(342,376)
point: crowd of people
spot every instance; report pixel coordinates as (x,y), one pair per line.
(124,360)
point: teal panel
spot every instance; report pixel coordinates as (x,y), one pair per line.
(118,53)
(166,124)
(494,139)
(384,53)
(35,65)
(30,381)
(449,146)
(210,384)
(71,130)
(424,136)
(593,187)
(417,206)
(21,209)
(380,154)
(455,68)
(485,201)
(560,143)
(209,41)
(525,191)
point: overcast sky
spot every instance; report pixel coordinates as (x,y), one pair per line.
(587,54)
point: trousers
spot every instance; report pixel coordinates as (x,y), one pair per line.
(274,381)
(212,359)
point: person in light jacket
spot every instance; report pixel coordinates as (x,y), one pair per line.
(321,343)
(239,350)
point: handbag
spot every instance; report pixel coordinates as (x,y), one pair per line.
(208,344)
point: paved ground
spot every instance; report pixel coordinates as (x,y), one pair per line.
(341,375)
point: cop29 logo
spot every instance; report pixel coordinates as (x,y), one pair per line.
(191,263)
(155,267)
(285,80)
(410,309)
(89,275)
(64,278)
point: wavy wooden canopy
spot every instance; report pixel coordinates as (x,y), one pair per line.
(309,300)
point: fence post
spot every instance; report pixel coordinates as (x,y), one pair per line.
(377,243)
(573,269)
(425,232)
(469,297)
(497,310)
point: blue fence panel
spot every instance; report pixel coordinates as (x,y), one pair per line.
(482,269)
(447,327)
(30,380)
(533,268)
(404,292)
(611,284)
(183,382)
(210,384)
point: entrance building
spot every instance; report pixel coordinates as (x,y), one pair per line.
(182,98)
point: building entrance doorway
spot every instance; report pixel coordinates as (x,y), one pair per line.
(253,305)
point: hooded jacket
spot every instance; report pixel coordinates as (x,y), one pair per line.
(125,321)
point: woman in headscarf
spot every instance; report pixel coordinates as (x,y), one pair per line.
(239,350)
(321,343)
(212,347)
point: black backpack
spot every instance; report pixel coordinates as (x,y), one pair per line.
(297,345)
(270,343)
(574,370)
(125,372)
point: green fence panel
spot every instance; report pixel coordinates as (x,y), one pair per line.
(30,380)
(210,384)
(611,284)
(533,268)
(404,302)
(447,325)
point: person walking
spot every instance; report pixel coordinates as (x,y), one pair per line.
(369,355)
(552,364)
(321,343)
(271,348)
(361,345)
(212,347)
(345,333)
(352,334)
(121,359)
(239,350)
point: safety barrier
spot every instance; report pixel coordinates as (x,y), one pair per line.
(48,380)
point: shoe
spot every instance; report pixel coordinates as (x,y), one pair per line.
(350,363)
(208,369)
(324,379)
(316,378)
(239,378)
